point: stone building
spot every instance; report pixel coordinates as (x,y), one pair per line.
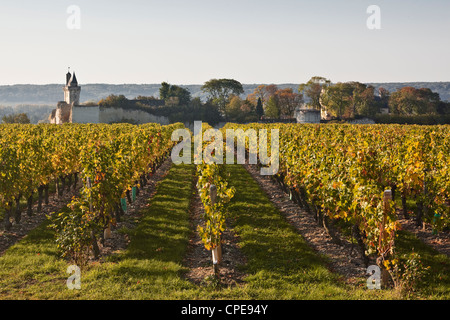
(305,114)
(63,111)
(72,90)
(71,111)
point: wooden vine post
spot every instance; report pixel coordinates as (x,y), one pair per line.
(383,247)
(217,251)
(425,195)
(387,196)
(95,248)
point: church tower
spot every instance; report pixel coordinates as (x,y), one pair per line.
(72,90)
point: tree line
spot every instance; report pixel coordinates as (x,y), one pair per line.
(16,118)
(225,101)
(341,100)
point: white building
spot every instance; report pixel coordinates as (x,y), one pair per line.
(305,114)
(71,111)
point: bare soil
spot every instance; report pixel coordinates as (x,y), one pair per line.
(20,230)
(199,260)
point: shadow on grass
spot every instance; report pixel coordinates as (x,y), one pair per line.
(38,241)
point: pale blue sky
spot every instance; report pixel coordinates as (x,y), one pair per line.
(192,41)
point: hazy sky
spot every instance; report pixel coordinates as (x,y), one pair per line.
(252,41)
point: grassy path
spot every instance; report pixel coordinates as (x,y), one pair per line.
(436,284)
(280,264)
(149,269)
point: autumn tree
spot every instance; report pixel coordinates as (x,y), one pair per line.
(313,89)
(350,99)
(16,118)
(263,92)
(260,98)
(232,108)
(114,101)
(174,95)
(259,108)
(219,91)
(257,94)
(443,107)
(384,95)
(409,100)
(338,98)
(197,110)
(272,109)
(366,103)
(363,101)
(287,100)
(164,91)
(146,98)
(241,111)
(403,101)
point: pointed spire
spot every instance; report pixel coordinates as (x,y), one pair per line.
(68,76)
(73,81)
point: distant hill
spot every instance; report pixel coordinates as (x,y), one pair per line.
(443,88)
(50,94)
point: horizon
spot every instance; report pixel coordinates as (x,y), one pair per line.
(200,84)
(190,42)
